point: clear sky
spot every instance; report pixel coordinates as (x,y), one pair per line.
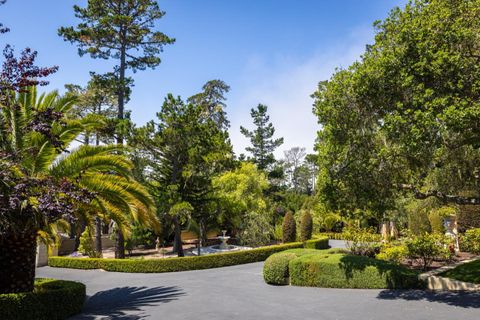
(269,51)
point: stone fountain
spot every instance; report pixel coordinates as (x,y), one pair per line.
(222,247)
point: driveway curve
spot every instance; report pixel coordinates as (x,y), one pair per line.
(239,292)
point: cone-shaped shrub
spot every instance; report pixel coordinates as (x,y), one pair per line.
(289,228)
(306,226)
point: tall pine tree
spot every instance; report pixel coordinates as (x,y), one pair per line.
(263,144)
(122,30)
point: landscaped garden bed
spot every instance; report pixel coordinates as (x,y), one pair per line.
(51,299)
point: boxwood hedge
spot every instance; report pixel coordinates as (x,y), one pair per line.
(51,299)
(317,243)
(173,264)
(350,271)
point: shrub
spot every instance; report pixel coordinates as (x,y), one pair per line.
(87,246)
(436,222)
(51,299)
(278,232)
(317,243)
(306,226)
(289,228)
(393,252)
(172,264)
(360,243)
(428,247)
(468,217)
(275,268)
(349,271)
(471,241)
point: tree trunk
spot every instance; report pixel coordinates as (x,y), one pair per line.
(98,235)
(120,245)
(17,262)
(177,243)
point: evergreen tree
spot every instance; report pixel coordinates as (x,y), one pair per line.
(306,226)
(289,228)
(122,30)
(263,144)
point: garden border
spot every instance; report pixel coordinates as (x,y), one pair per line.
(176,264)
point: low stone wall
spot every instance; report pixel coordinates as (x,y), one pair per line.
(437,283)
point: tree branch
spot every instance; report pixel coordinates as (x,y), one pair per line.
(447,198)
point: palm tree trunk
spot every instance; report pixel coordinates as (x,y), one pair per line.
(17,262)
(98,235)
(119,245)
(177,243)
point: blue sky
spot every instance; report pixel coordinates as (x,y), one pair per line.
(269,51)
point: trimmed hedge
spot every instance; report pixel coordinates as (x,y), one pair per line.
(172,264)
(317,243)
(275,268)
(349,271)
(373,237)
(51,299)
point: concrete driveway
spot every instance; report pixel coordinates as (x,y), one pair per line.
(239,292)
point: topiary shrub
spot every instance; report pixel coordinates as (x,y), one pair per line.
(51,299)
(349,271)
(289,228)
(306,226)
(275,268)
(471,241)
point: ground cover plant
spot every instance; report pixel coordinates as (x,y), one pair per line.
(468,272)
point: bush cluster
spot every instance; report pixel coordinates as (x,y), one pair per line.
(428,247)
(172,264)
(51,299)
(393,252)
(471,241)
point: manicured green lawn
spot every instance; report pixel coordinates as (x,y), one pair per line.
(468,272)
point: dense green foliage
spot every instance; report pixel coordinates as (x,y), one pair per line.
(471,241)
(275,268)
(172,264)
(428,247)
(467,272)
(289,228)
(306,226)
(349,271)
(405,117)
(50,300)
(393,252)
(243,205)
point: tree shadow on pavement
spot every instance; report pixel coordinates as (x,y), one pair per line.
(457,299)
(126,302)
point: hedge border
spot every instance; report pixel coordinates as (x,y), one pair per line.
(51,299)
(320,242)
(173,264)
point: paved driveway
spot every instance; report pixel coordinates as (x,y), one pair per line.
(239,292)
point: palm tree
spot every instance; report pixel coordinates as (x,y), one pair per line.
(37,134)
